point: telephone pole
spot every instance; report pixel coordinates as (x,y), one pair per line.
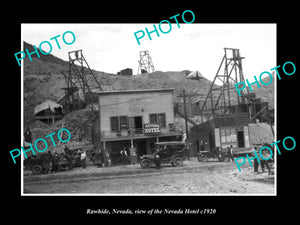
(186,125)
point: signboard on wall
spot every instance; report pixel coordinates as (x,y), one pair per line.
(151,129)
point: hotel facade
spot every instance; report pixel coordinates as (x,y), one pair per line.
(136,119)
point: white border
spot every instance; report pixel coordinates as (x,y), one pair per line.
(22,115)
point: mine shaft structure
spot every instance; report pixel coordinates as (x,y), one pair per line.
(145,63)
(221,96)
(82,84)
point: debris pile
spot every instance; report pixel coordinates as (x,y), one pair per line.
(260,133)
(79,123)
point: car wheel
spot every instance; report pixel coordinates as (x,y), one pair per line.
(177,162)
(36,169)
(202,158)
(45,170)
(145,163)
(225,159)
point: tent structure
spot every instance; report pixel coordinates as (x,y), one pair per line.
(48,104)
(48,112)
(194,75)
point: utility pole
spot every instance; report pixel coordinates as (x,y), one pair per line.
(100,145)
(186,125)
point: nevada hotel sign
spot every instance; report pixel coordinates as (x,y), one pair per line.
(151,129)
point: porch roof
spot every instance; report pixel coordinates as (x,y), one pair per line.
(141,136)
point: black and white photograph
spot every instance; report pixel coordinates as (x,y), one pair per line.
(134,112)
(162,117)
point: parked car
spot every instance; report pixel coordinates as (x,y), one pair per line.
(203,156)
(38,164)
(165,152)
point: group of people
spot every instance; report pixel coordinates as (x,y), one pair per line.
(72,157)
(101,158)
(79,157)
(263,163)
(79,154)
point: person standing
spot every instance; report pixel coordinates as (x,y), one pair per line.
(184,137)
(157,158)
(27,138)
(265,155)
(187,152)
(107,158)
(124,155)
(28,135)
(263,164)
(49,158)
(218,152)
(66,150)
(201,145)
(83,159)
(255,162)
(55,162)
(261,156)
(231,153)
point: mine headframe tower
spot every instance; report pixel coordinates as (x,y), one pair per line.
(221,94)
(145,63)
(82,84)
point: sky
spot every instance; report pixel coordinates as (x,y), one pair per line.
(113,47)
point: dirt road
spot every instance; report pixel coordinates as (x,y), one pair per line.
(192,178)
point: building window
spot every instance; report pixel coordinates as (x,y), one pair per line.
(159,118)
(228,136)
(153,118)
(123,123)
(119,123)
(114,122)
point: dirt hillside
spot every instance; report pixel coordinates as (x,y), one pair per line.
(43,80)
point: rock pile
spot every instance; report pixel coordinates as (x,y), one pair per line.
(260,133)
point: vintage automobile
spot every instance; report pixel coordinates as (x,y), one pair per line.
(38,164)
(165,152)
(45,162)
(203,156)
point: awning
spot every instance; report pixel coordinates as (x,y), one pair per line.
(122,138)
(47,105)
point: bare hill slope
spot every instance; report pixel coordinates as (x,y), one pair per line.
(43,80)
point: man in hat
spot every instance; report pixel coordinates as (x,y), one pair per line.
(265,155)
(124,155)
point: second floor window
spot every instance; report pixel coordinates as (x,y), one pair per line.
(119,123)
(123,122)
(159,118)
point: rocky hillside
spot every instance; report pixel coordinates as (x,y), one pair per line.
(43,80)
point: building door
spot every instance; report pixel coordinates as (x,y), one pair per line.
(141,148)
(138,122)
(240,139)
(135,124)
